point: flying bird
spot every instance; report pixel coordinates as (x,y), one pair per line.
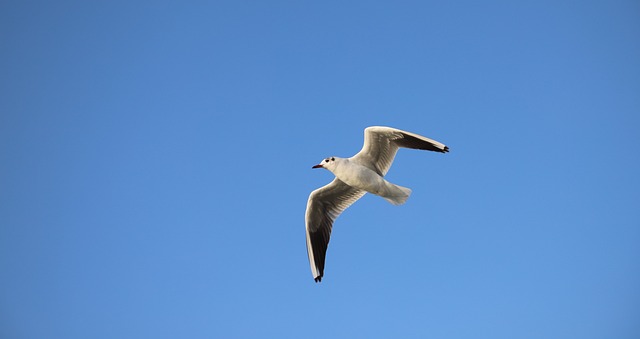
(355,176)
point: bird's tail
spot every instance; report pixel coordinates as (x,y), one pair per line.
(397,195)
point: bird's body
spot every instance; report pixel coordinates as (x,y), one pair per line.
(355,176)
(352,173)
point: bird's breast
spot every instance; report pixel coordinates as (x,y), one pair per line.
(361,177)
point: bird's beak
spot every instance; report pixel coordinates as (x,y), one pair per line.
(317,166)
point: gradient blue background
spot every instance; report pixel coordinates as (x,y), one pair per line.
(155,164)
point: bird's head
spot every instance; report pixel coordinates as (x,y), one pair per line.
(328,163)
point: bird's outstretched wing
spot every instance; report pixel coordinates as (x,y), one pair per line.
(324,206)
(382,143)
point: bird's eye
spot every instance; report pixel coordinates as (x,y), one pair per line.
(333,159)
(326,160)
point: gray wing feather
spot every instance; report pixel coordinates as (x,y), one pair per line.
(381,145)
(323,207)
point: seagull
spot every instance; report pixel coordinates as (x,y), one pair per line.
(354,177)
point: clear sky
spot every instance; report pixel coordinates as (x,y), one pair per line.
(155,164)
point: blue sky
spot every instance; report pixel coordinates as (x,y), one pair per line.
(155,163)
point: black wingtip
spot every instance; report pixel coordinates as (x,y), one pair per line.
(446,149)
(318,279)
